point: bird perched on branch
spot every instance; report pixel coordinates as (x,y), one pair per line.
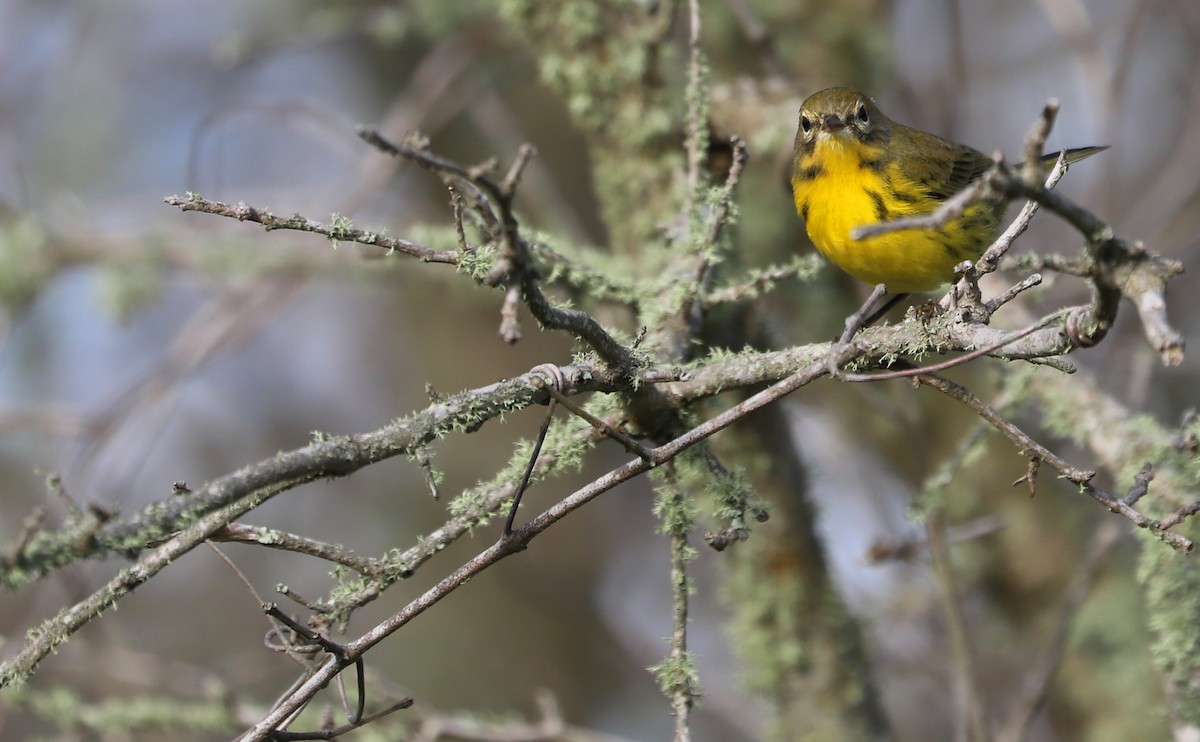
(854,166)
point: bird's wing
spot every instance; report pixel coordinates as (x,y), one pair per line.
(939,167)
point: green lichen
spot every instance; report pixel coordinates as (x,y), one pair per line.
(602,59)
(25,262)
(340,228)
(71,714)
(677,675)
(563,450)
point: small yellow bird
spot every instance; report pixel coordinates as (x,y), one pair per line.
(854,167)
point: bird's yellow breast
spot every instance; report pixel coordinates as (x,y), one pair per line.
(844,183)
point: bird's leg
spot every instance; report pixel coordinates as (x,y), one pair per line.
(865,314)
(887,306)
(854,323)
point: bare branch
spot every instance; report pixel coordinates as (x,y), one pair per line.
(1079,477)
(275,539)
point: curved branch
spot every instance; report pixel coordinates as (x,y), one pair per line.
(514,267)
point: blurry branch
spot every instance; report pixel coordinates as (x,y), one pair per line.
(145,715)
(759,36)
(1031,696)
(586,280)
(52,421)
(550,726)
(1079,34)
(677,675)
(223,322)
(696,118)
(760,281)
(439,89)
(975,718)
(606,64)
(911,548)
(718,220)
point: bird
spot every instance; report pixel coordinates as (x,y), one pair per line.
(854,166)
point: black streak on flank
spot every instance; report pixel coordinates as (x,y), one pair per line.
(875,164)
(975,222)
(804,211)
(811,172)
(881,210)
(956,252)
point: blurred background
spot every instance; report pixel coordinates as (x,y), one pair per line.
(141,346)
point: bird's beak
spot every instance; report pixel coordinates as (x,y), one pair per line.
(832,124)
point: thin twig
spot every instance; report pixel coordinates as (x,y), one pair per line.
(612,431)
(284,736)
(277,627)
(854,323)
(697,103)
(1013,292)
(525,153)
(245,213)
(1035,142)
(533,457)
(957,361)
(991,257)
(316,638)
(1030,475)
(276,539)
(858,319)
(1083,479)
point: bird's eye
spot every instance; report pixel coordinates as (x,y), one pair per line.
(805,124)
(863,116)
